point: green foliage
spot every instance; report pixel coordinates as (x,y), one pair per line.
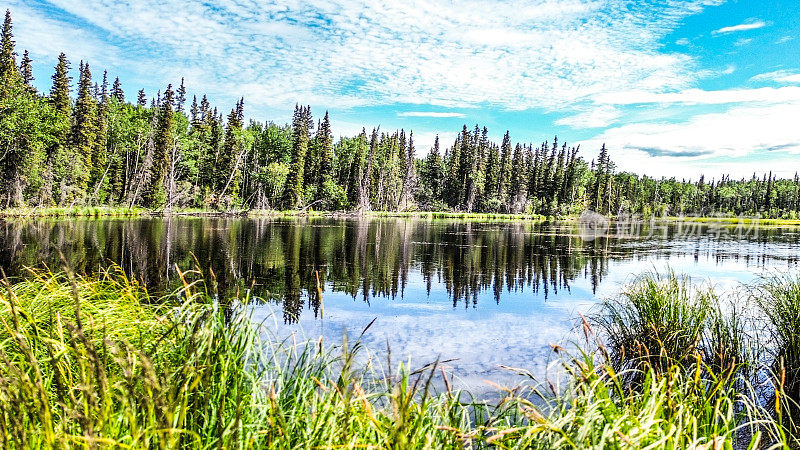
(104,151)
(97,360)
(778,297)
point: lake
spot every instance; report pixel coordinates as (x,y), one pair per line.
(481,294)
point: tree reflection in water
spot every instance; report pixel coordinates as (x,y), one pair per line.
(280,259)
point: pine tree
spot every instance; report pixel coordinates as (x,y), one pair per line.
(518,185)
(59,94)
(16,104)
(180,100)
(492,175)
(26,71)
(97,176)
(364,202)
(293,191)
(194,113)
(58,160)
(84,130)
(229,175)
(325,149)
(141,99)
(155,195)
(431,178)
(504,180)
(104,88)
(117,92)
(453,185)
(9,73)
(409,178)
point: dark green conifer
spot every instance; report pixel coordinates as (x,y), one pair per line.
(59,93)
(26,71)
(117,92)
(155,194)
(84,130)
(228,173)
(293,191)
(180,99)
(8,66)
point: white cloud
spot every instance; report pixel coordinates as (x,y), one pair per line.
(710,143)
(742,42)
(45,37)
(431,114)
(521,54)
(741,27)
(702,97)
(780,76)
(595,118)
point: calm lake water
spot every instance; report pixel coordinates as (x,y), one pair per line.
(483,294)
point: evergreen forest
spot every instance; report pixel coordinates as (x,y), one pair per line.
(87,142)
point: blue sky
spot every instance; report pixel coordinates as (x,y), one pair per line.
(673,87)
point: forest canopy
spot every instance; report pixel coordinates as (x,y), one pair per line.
(87,142)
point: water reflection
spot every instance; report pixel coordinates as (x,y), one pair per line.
(281,260)
(483,295)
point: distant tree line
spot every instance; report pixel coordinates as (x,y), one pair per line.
(87,144)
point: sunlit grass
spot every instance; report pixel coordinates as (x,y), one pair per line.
(76,211)
(96,361)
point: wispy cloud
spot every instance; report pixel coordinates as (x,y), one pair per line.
(431,114)
(697,145)
(741,27)
(602,116)
(780,76)
(516,55)
(703,97)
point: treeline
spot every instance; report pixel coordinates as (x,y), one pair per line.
(92,146)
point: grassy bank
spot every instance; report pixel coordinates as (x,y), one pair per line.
(96,362)
(735,221)
(103,211)
(77,211)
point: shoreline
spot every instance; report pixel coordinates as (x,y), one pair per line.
(115,212)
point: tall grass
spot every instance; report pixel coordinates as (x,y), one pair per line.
(657,320)
(92,362)
(778,296)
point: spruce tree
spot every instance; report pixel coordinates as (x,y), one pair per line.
(155,195)
(518,186)
(26,71)
(409,178)
(325,146)
(453,183)
(104,88)
(229,175)
(293,191)
(59,93)
(492,175)
(504,180)
(84,130)
(180,100)
(9,73)
(117,92)
(141,99)
(97,177)
(58,160)
(194,116)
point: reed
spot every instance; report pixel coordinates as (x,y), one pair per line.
(778,296)
(658,321)
(92,362)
